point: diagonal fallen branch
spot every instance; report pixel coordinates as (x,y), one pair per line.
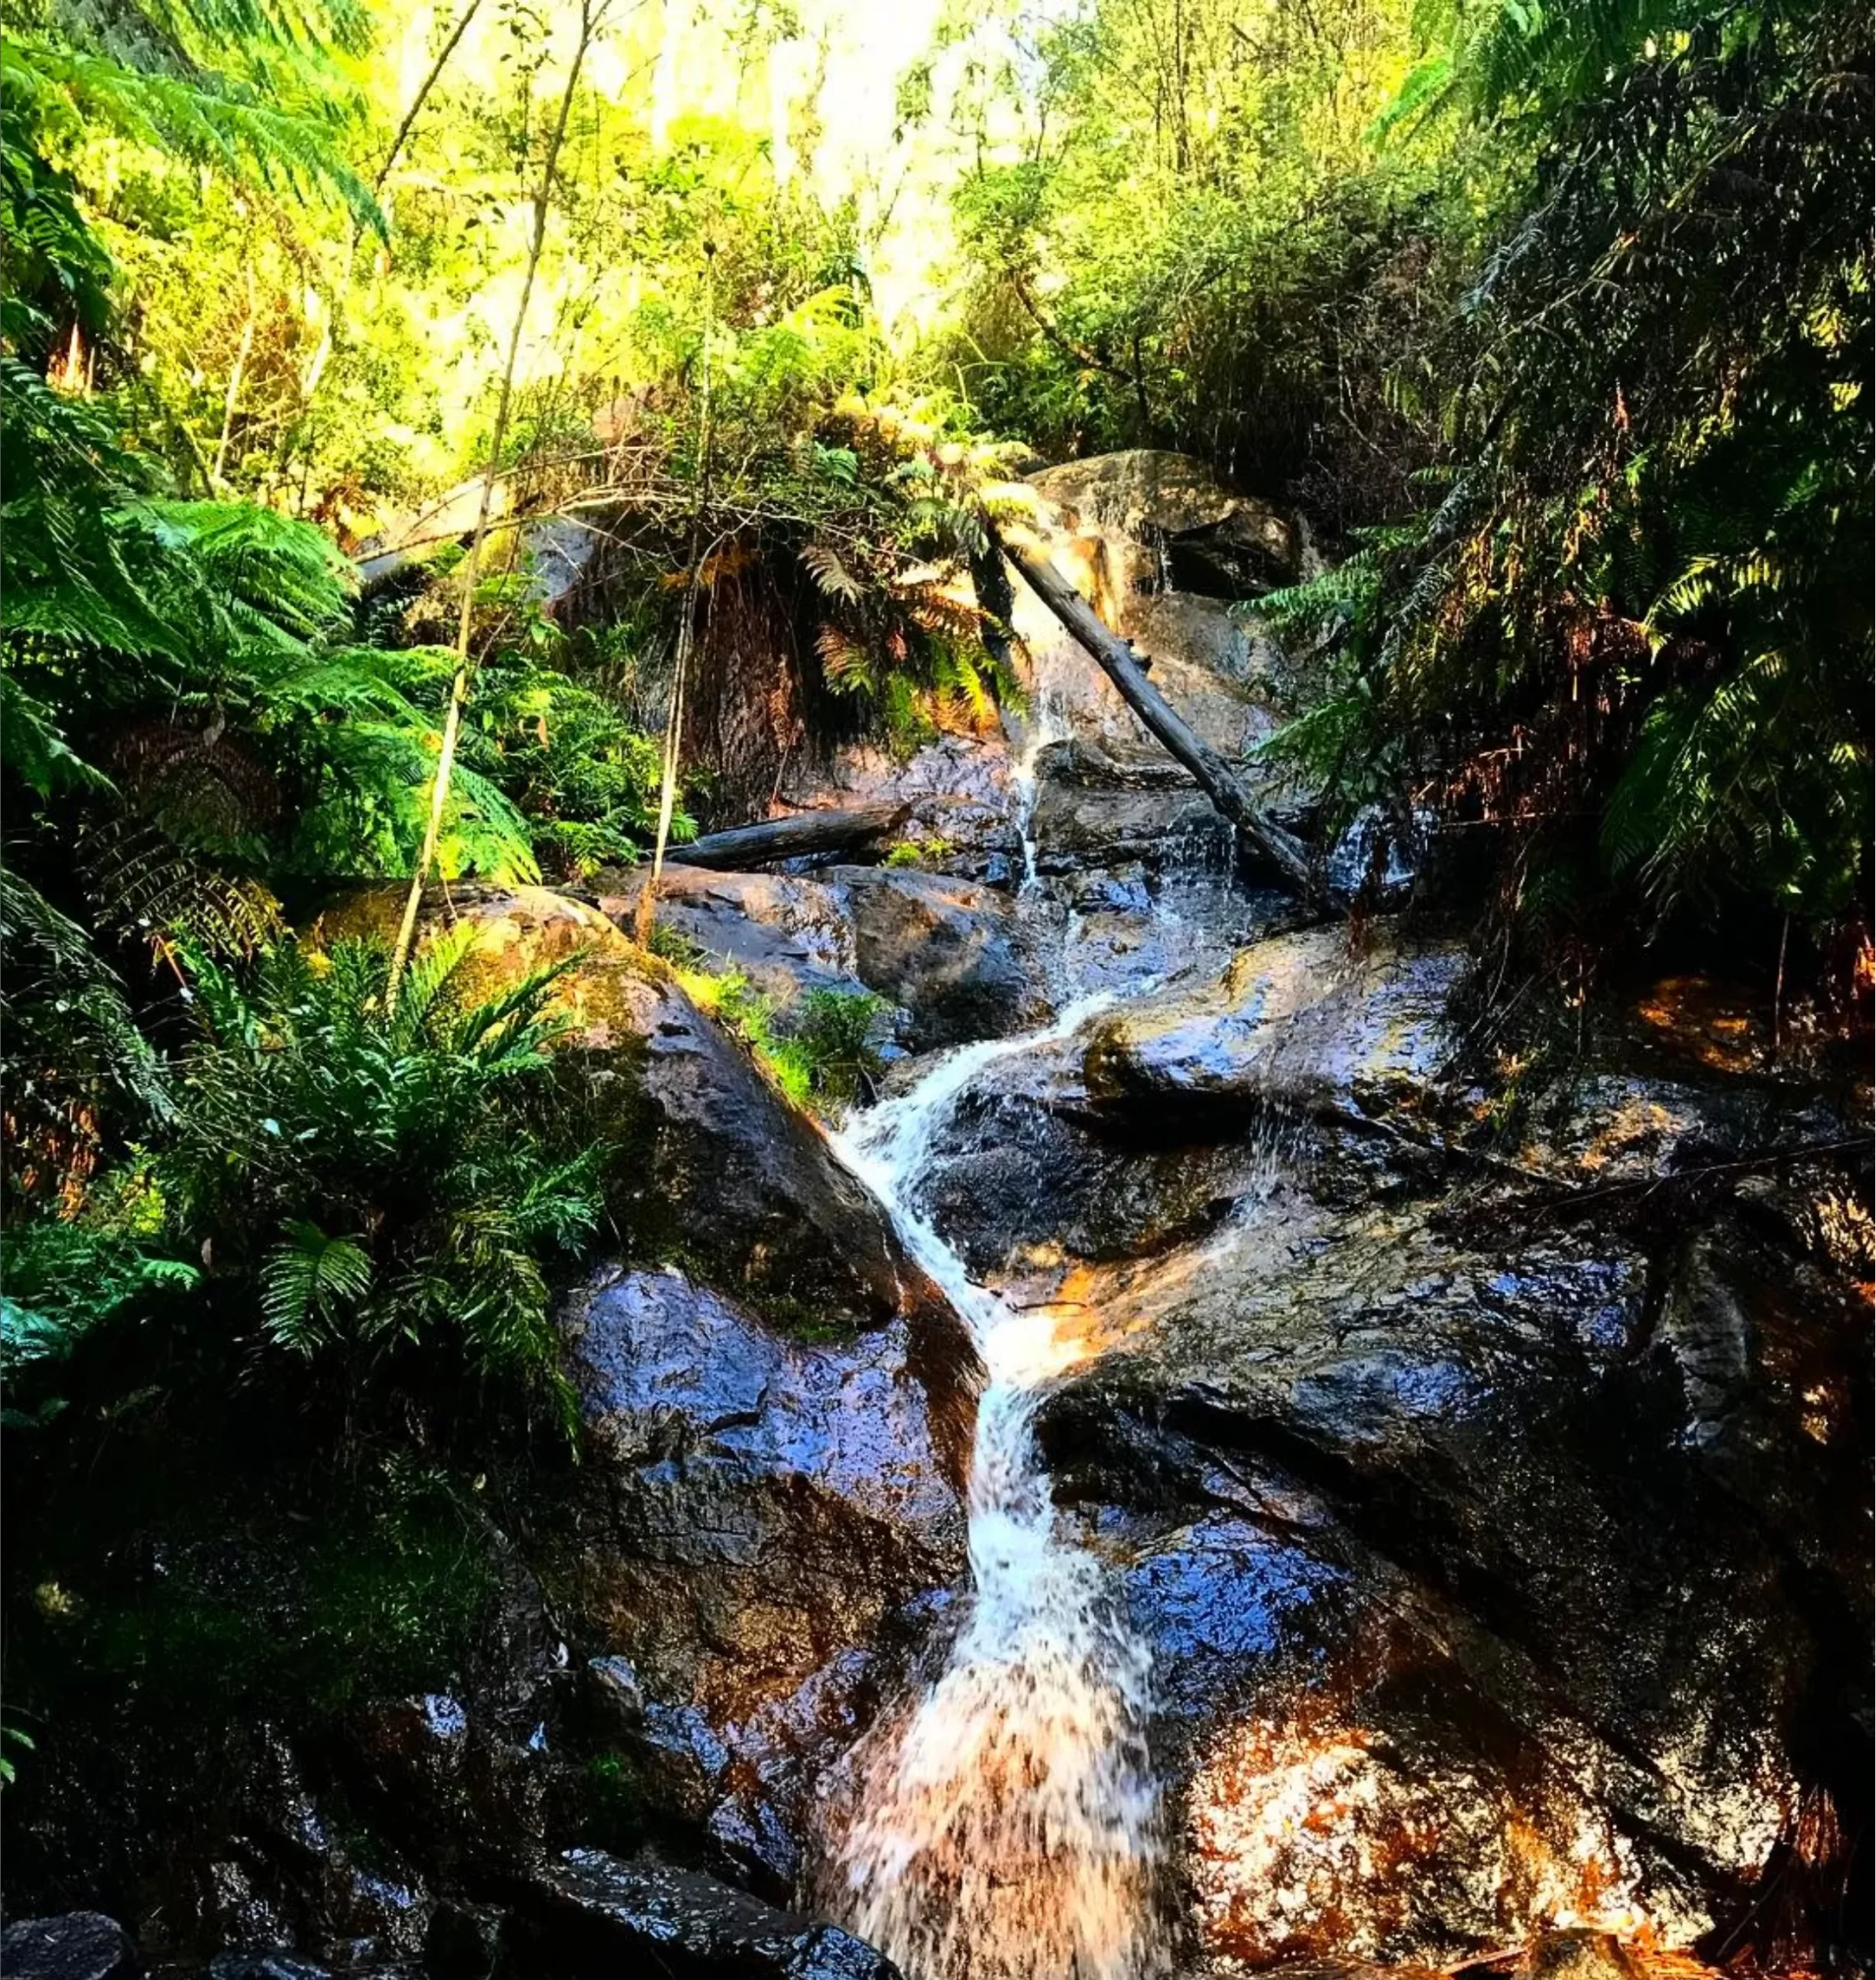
(1119,662)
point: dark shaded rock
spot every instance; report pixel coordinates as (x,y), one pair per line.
(81,1945)
(464,1942)
(956,956)
(592,1911)
(770,1508)
(1024,1177)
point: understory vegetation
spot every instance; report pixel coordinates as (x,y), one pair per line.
(368,376)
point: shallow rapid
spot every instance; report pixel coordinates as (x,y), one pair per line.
(1002,1824)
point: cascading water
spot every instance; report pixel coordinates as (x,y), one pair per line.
(1048,724)
(1003,1825)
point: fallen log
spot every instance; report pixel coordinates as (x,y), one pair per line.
(745,846)
(1118,660)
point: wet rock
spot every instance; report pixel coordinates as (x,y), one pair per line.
(464,1942)
(1078,826)
(708,1159)
(592,1911)
(1023,1177)
(1481,1621)
(958,796)
(785,934)
(957,957)
(268,1964)
(1295,1022)
(769,1509)
(1205,661)
(1378,855)
(81,1945)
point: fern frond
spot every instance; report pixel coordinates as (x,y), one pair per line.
(311,1284)
(830,573)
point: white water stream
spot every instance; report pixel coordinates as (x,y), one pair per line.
(1003,1825)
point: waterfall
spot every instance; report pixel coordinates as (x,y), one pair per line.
(1048,724)
(1003,1824)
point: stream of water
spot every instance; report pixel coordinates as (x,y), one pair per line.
(1004,1825)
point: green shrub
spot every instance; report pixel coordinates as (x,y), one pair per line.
(819,1051)
(372,1176)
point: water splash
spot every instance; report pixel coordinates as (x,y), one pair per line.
(1002,1824)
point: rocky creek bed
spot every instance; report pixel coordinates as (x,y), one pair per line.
(1488,1490)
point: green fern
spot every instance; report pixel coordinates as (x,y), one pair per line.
(311,1286)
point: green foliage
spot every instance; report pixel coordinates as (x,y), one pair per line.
(248,90)
(820,1050)
(584,778)
(15,1736)
(919,852)
(362,1184)
(833,1038)
(1645,596)
(65,1278)
(378,1587)
(1198,249)
(374,1177)
(70,1047)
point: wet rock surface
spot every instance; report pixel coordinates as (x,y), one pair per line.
(589,1913)
(955,955)
(787,934)
(1491,1557)
(771,1516)
(81,1945)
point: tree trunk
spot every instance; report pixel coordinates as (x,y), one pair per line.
(1119,662)
(459,689)
(789,838)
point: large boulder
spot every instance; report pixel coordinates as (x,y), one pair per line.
(957,957)
(589,1913)
(1300,1022)
(1435,1548)
(706,1159)
(1210,538)
(768,1513)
